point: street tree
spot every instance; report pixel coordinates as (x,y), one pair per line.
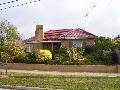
(9,40)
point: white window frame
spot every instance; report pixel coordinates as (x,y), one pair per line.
(29,47)
(75,42)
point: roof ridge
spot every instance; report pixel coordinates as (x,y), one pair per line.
(87,32)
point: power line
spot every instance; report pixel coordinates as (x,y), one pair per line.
(17,5)
(90,10)
(8,2)
(106,4)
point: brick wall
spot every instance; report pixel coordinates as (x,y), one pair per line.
(66,42)
(37,46)
(64,68)
(39,33)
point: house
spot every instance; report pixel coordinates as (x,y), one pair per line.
(117,38)
(53,39)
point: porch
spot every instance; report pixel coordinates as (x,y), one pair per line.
(50,45)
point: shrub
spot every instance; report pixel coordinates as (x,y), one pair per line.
(67,56)
(75,53)
(43,56)
(3,56)
(61,54)
(91,61)
(13,49)
(31,58)
(98,50)
(10,58)
(21,58)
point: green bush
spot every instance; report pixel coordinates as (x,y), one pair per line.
(62,62)
(3,56)
(61,54)
(31,58)
(21,58)
(68,56)
(91,61)
(75,54)
(98,50)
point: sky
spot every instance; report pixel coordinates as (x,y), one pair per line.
(103,19)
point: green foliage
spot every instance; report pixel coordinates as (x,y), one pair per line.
(75,53)
(103,43)
(68,56)
(90,60)
(21,58)
(100,51)
(61,54)
(9,31)
(9,38)
(62,62)
(31,58)
(34,57)
(2,44)
(3,57)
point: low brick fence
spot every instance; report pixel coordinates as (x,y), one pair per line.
(64,68)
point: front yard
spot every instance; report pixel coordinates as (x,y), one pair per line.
(64,82)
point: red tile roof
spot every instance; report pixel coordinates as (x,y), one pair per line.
(30,39)
(53,35)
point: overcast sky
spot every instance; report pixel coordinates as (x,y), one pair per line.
(103,20)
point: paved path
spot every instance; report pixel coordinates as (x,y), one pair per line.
(66,73)
(4,89)
(24,88)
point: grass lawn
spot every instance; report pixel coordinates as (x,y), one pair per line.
(61,82)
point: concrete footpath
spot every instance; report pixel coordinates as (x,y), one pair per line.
(65,73)
(23,88)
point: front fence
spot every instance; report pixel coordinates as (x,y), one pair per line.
(64,68)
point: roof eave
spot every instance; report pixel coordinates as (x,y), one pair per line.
(89,37)
(42,42)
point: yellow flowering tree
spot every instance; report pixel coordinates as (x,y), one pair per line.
(13,48)
(8,40)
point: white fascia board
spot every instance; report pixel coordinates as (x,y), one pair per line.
(50,41)
(33,42)
(76,37)
(43,42)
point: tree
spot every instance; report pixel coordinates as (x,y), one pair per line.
(8,31)
(9,40)
(13,49)
(100,50)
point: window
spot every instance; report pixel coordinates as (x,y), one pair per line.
(70,44)
(29,47)
(76,44)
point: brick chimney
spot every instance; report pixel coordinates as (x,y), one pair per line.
(39,33)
